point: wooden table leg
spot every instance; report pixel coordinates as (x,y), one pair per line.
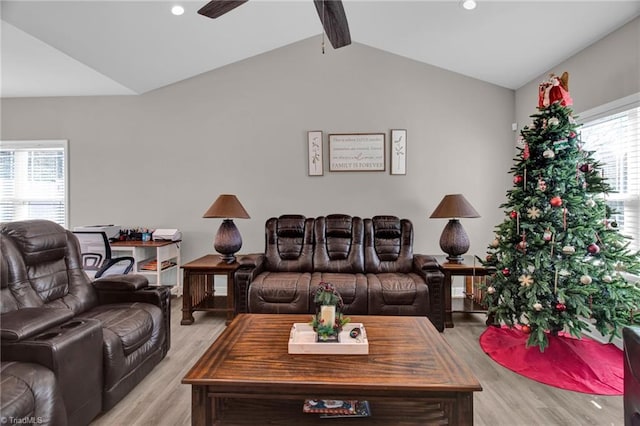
(187,309)
(462,411)
(201,409)
(230,298)
(448,318)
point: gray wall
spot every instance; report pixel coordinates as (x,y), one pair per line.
(160,159)
(606,71)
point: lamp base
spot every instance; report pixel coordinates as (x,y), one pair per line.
(228,241)
(455,259)
(454,241)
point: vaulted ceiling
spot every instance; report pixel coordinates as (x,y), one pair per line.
(76,48)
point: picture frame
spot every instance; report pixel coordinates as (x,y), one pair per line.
(357,152)
(315,153)
(398,152)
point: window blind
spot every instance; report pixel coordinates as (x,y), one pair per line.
(33,181)
(615,140)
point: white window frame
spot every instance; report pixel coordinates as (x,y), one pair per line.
(609,109)
(54,143)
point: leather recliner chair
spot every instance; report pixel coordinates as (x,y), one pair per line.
(631,340)
(98,338)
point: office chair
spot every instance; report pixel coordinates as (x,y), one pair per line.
(96,256)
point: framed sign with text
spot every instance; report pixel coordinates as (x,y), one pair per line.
(357,152)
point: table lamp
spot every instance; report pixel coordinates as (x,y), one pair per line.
(228,240)
(454,240)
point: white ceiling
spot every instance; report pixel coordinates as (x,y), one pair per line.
(76,48)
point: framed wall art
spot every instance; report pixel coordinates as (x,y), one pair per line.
(357,152)
(398,152)
(314,151)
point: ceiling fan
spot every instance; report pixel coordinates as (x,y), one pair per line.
(331,13)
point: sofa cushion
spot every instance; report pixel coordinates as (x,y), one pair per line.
(353,289)
(30,391)
(388,244)
(132,326)
(280,292)
(289,244)
(395,293)
(339,244)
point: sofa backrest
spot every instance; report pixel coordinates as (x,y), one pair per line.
(388,245)
(289,244)
(339,244)
(43,267)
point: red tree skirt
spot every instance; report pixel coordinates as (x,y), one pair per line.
(567,363)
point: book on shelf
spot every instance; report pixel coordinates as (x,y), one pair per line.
(330,408)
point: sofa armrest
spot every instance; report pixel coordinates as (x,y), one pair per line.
(131,282)
(73,351)
(27,322)
(427,267)
(250,266)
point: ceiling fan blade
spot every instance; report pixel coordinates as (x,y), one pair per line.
(216,8)
(334,21)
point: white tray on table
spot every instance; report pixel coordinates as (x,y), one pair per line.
(302,340)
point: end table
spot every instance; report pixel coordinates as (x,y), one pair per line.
(470,267)
(199,291)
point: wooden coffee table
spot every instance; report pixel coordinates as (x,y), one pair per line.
(408,360)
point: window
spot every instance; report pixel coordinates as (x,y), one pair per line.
(33,181)
(613,132)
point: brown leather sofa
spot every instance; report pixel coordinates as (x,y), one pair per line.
(631,340)
(369,261)
(99,339)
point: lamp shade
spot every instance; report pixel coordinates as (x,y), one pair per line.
(226,206)
(454,205)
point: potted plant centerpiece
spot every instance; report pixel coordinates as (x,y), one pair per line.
(328,320)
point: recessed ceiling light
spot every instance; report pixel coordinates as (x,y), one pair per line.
(469,4)
(177,10)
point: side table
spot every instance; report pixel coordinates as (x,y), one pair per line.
(198,287)
(470,267)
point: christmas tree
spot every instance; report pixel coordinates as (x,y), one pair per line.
(560,262)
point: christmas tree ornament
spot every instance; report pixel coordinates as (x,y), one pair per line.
(548,154)
(614,224)
(513,214)
(491,290)
(568,249)
(546,235)
(561,307)
(585,168)
(564,273)
(522,246)
(593,248)
(555,201)
(506,272)
(531,269)
(495,243)
(553,121)
(537,306)
(542,185)
(525,152)
(525,280)
(586,280)
(525,329)
(517,179)
(555,89)
(607,278)
(533,212)
(590,203)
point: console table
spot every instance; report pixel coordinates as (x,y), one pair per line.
(199,289)
(470,267)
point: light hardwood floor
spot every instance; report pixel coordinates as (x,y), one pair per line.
(507,398)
